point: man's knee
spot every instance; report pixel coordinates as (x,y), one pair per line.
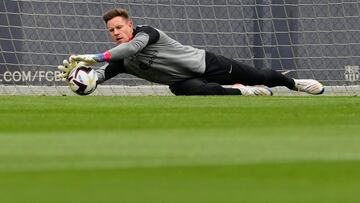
(200,87)
(188,88)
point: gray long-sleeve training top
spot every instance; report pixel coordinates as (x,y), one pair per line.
(154,56)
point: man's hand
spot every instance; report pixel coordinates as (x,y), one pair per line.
(91,59)
(86,59)
(66,68)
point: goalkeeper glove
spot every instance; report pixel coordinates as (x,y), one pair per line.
(66,68)
(91,59)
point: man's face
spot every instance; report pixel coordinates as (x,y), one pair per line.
(120,29)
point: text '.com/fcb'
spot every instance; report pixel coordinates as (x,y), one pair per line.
(30,76)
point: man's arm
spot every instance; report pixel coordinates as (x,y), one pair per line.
(109,71)
(144,36)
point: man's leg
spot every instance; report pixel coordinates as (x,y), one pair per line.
(227,71)
(199,86)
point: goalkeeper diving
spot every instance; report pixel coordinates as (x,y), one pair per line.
(150,54)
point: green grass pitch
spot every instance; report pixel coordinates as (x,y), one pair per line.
(179,149)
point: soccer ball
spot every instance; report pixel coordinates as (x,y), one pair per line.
(82,80)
